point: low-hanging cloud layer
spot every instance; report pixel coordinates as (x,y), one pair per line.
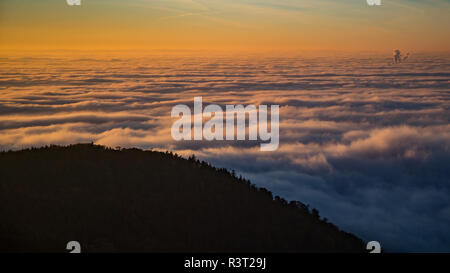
(364,141)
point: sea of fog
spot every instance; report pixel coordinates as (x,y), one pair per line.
(364,141)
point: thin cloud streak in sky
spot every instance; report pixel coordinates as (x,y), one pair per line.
(225,24)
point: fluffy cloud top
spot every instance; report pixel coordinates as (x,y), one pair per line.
(365,142)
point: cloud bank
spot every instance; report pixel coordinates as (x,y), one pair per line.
(365,142)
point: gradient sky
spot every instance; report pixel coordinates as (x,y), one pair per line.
(412,25)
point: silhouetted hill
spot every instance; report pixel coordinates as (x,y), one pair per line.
(134,200)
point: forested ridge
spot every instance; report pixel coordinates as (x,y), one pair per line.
(130,200)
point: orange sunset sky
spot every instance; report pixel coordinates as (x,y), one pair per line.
(225,24)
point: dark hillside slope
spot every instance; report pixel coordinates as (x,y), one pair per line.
(134,200)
